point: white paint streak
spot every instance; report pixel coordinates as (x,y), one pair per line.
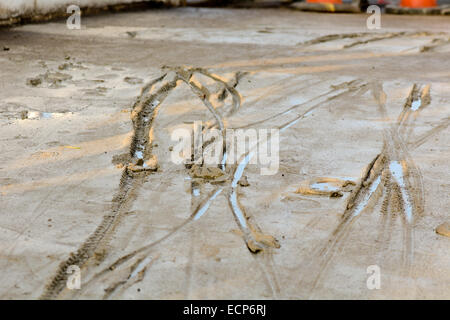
(206,205)
(397,172)
(360,207)
(324,186)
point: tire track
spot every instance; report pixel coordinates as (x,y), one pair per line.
(132,178)
(391,176)
(256,241)
(143,115)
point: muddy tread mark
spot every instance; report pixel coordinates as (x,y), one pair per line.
(332,37)
(389,35)
(435,43)
(129,278)
(87,250)
(139,113)
(236,97)
(367,179)
(143,115)
(375,37)
(401,194)
(146,248)
(382,37)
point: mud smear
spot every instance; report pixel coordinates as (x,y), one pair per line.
(391,177)
(330,187)
(373,37)
(128,187)
(333,37)
(435,43)
(51,80)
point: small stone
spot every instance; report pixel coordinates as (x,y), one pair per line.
(444,229)
(64,66)
(34,81)
(24,115)
(209,173)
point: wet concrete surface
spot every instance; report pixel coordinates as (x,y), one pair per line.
(75,137)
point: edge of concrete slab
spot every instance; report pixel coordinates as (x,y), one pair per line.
(60,13)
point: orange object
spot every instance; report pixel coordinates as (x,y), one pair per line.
(325,1)
(418,3)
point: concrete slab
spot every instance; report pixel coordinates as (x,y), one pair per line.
(362,113)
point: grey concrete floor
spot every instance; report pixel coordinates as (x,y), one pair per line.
(66,99)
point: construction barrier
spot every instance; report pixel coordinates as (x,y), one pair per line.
(327,6)
(418,7)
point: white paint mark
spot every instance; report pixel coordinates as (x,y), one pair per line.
(324,186)
(140,267)
(397,172)
(196,192)
(237,210)
(139,155)
(207,204)
(367,196)
(416,104)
